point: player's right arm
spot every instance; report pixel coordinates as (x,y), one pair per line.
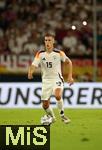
(34,65)
(31,70)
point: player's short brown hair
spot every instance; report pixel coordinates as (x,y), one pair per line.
(50,34)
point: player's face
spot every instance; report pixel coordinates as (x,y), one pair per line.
(49,42)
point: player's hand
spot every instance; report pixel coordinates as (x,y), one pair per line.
(30,76)
(70,80)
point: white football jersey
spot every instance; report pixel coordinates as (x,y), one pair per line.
(50,63)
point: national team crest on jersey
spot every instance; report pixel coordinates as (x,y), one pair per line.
(54,57)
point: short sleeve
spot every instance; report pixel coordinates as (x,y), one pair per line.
(36,60)
(63,56)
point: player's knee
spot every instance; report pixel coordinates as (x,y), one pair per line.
(45,104)
(58,97)
(58,94)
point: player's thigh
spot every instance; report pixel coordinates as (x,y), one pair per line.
(58,89)
(47,89)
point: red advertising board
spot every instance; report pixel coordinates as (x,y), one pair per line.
(82,68)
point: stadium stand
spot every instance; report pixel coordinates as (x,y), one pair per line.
(23,24)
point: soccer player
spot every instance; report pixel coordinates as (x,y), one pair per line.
(52,81)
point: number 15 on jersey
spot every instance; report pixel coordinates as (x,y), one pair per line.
(49,64)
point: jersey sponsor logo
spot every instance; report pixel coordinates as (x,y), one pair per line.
(44,58)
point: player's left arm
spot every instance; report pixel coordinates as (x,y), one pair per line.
(70,79)
(64,58)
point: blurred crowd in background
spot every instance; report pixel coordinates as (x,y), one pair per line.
(23,24)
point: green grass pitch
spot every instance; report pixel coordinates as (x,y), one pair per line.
(83,133)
